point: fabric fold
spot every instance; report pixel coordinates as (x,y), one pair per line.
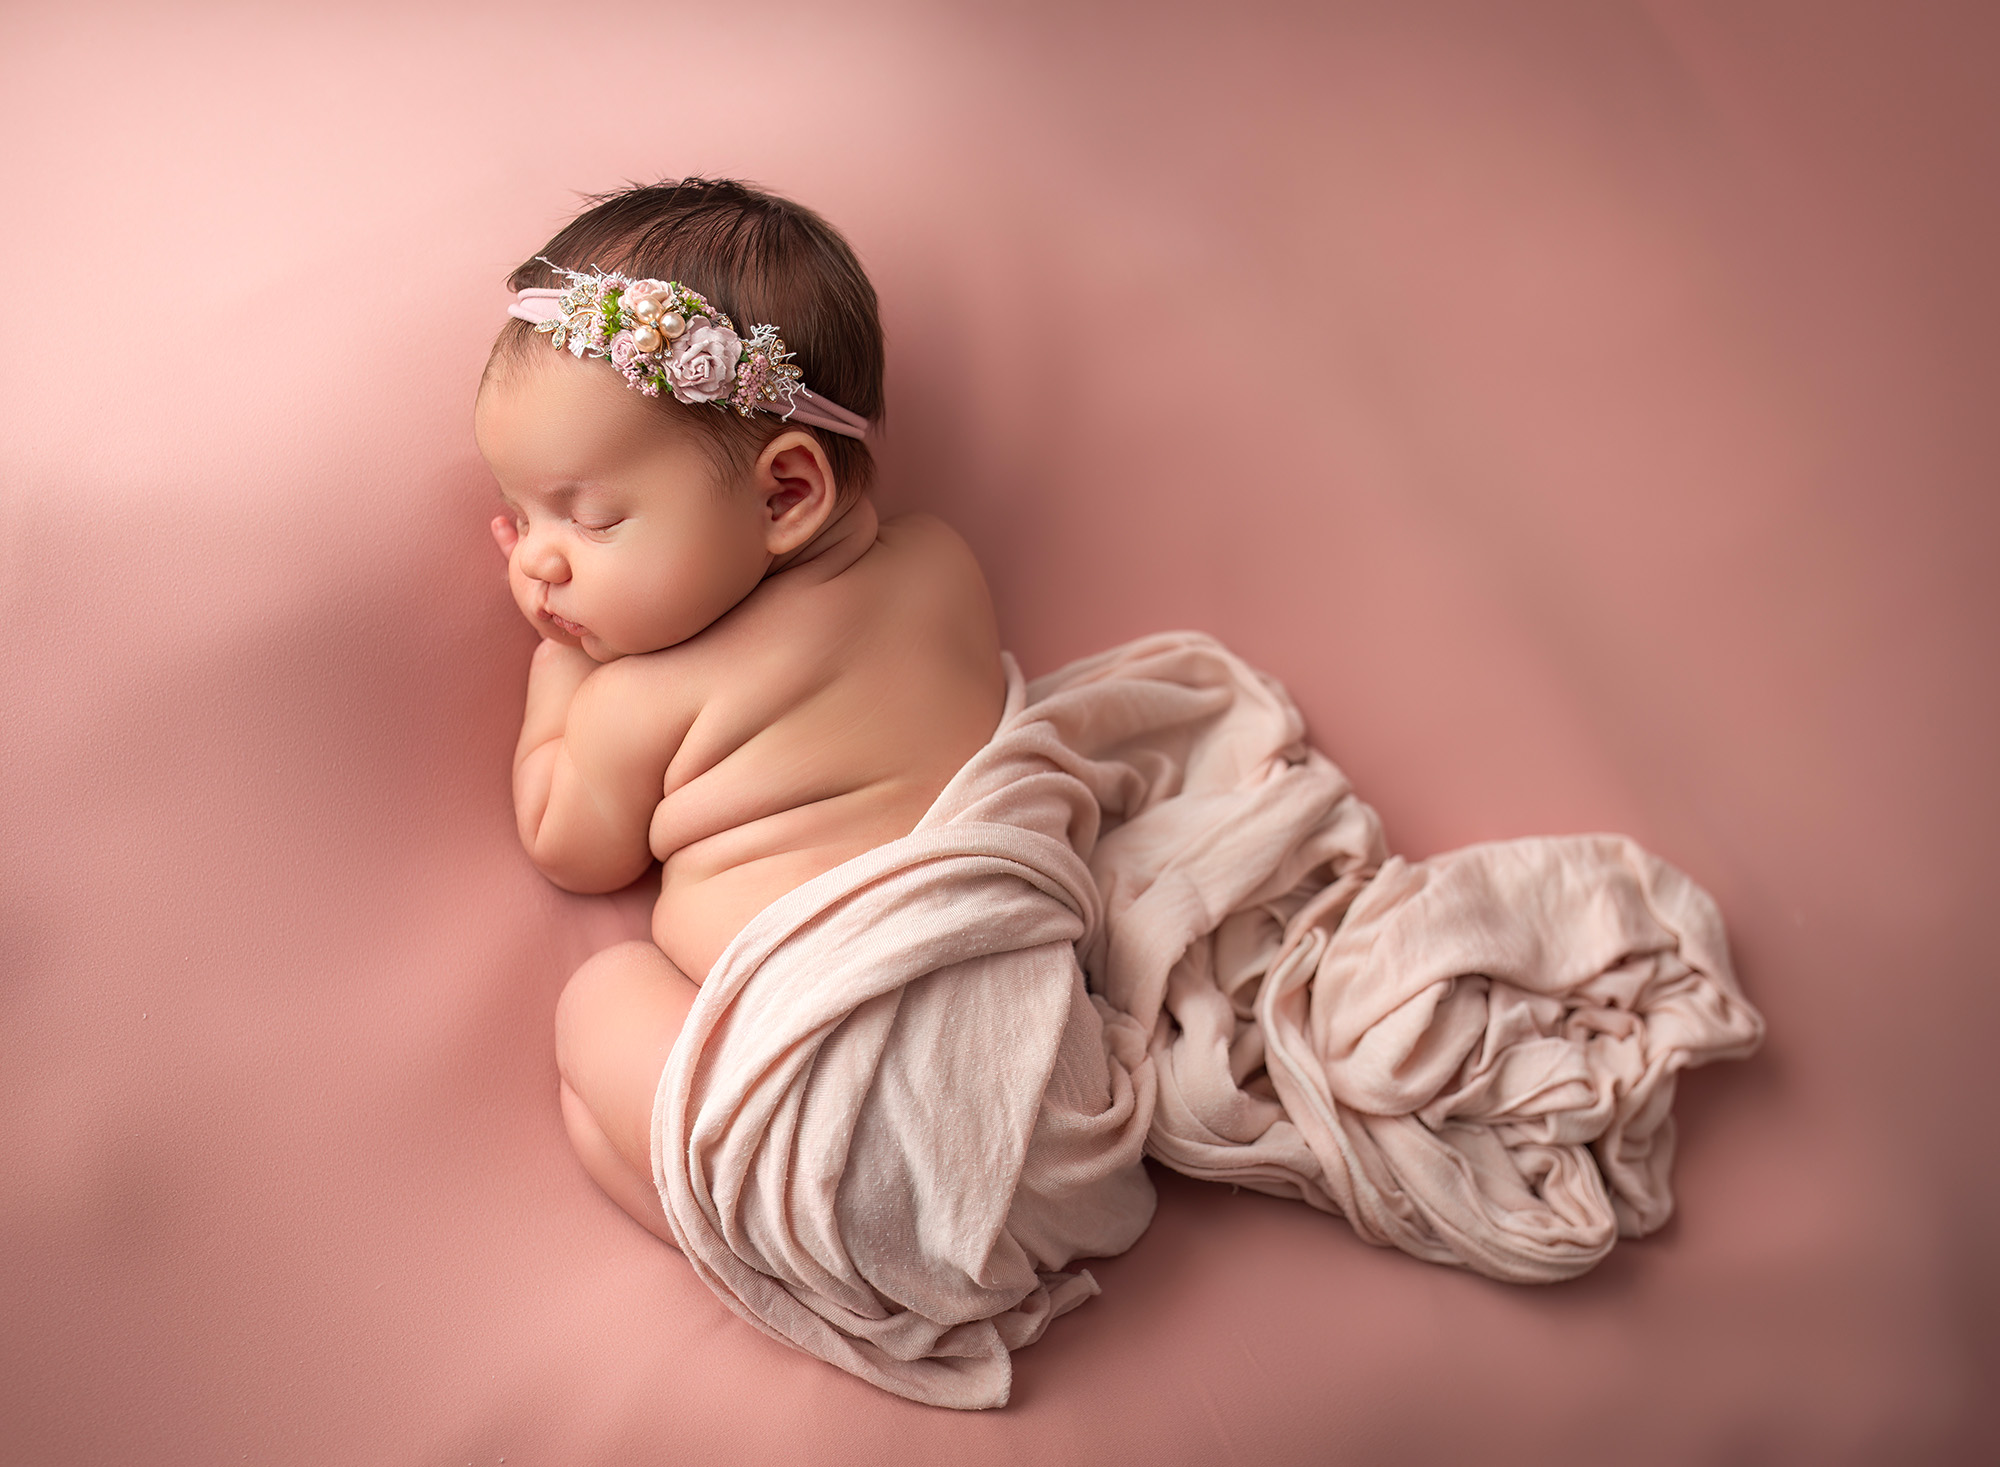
(1148,918)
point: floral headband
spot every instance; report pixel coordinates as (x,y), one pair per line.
(662,335)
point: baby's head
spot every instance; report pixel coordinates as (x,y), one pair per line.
(633,520)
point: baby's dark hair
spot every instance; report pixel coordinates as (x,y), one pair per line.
(759,258)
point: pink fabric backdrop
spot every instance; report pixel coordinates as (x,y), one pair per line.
(1585,408)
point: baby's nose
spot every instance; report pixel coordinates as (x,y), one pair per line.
(541,559)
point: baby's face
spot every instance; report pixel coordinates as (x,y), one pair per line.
(617,538)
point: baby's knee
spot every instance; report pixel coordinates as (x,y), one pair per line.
(616,1024)
(597,995)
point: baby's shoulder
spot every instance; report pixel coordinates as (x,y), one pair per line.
(925,553)
(917,587)
(923,532)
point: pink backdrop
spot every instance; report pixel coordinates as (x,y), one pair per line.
(1586,408)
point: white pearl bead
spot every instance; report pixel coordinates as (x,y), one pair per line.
(646,338)
(645,308)
(673,325)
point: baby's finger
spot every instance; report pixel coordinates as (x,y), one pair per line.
(504,534)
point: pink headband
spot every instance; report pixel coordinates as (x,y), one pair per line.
(663,336)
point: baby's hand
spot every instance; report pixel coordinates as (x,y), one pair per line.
(505,534)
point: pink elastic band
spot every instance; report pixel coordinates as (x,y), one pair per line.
(536,305)
(539,304)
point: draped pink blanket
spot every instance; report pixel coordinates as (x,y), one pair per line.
(1147,918)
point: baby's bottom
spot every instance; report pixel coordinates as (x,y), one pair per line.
(616,1022)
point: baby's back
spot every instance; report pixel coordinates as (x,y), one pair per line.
(823,716)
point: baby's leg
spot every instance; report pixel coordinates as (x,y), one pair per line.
(616,1023)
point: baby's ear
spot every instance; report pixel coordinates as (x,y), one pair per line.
(504,534)
(796,485)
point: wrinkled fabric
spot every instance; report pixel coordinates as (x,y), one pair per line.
(1148,918)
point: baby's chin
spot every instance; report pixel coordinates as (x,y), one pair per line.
(588,642)
(591,646)
(595,647)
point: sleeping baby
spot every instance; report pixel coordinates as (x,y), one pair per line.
(942,956)
(743,673)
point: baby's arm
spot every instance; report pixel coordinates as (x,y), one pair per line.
(590,768)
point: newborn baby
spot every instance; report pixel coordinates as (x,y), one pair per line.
(743,673)
(943,1031)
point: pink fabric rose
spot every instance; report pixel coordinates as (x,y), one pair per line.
(623,350)
(702,364)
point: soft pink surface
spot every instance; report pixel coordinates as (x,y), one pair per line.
(1584,408)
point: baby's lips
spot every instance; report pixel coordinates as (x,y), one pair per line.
(562,624)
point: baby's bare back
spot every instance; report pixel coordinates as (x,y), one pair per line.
(823,716)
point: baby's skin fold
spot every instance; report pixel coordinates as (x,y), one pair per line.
(1148,918)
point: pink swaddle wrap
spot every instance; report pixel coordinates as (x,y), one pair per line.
(1147,918)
